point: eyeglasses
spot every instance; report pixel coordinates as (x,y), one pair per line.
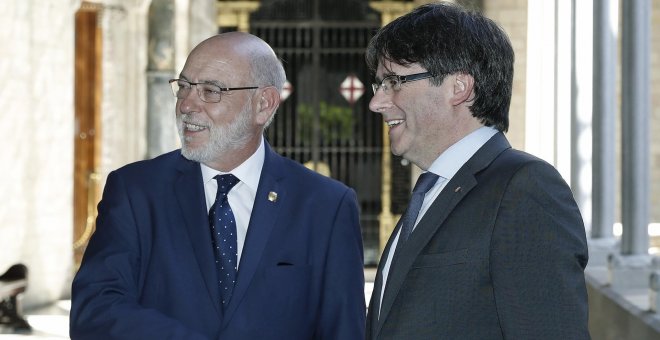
(207,92)
(394,81)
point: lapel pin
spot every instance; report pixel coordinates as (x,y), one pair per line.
(457,189)
(272,196)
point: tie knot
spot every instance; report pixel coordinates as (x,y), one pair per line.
(425,182)
(226,182)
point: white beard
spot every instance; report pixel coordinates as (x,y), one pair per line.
(222,139)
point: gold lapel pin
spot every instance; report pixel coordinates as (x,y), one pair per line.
(272,196)
(457,189)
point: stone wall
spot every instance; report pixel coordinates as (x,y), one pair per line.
(38,121)
(37,125)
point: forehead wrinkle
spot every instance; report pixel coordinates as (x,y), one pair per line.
(202,81)
(210,73)
(230,70)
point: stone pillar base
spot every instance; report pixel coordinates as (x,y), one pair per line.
(629,271)
(600,250)
(654,285)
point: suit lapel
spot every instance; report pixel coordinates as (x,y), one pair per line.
(457,188)
(263,218)
(189,189)
(422,234)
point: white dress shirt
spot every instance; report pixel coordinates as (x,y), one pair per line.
(241,196)
(445,166)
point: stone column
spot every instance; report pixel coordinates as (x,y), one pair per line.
(161,127)
(203,21)
(604,101)
(602,241)
(633,266)
(548,83)
(123,102)
(635,126)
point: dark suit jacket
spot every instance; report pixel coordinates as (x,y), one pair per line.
(148,272)
(500,254)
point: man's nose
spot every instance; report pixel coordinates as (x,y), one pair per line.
(379,102)
(190,102)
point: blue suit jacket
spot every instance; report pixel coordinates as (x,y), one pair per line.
(500,254)
(148,272)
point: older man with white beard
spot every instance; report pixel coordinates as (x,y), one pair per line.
(223,239)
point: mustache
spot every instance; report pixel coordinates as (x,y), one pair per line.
(188,118)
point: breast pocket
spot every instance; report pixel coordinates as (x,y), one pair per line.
(287,286)
(441,259)
(286,273)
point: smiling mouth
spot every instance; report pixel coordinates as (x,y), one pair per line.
(393,123)
(193,127)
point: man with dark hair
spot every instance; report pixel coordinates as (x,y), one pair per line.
(492,244)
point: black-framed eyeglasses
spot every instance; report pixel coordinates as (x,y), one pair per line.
(394,81)
(207,92)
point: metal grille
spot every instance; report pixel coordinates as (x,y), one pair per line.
(316,125)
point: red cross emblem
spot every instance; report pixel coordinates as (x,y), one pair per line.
(351,88)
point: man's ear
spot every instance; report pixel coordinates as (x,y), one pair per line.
(463,88)
(267,104)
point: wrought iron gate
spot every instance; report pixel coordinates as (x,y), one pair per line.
(325,123)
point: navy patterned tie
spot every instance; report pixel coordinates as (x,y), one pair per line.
(223,232)
(424,183)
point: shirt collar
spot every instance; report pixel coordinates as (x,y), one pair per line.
(247,172)
(450,161)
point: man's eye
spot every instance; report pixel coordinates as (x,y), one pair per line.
(390,82)
(211,90)
(183,85)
